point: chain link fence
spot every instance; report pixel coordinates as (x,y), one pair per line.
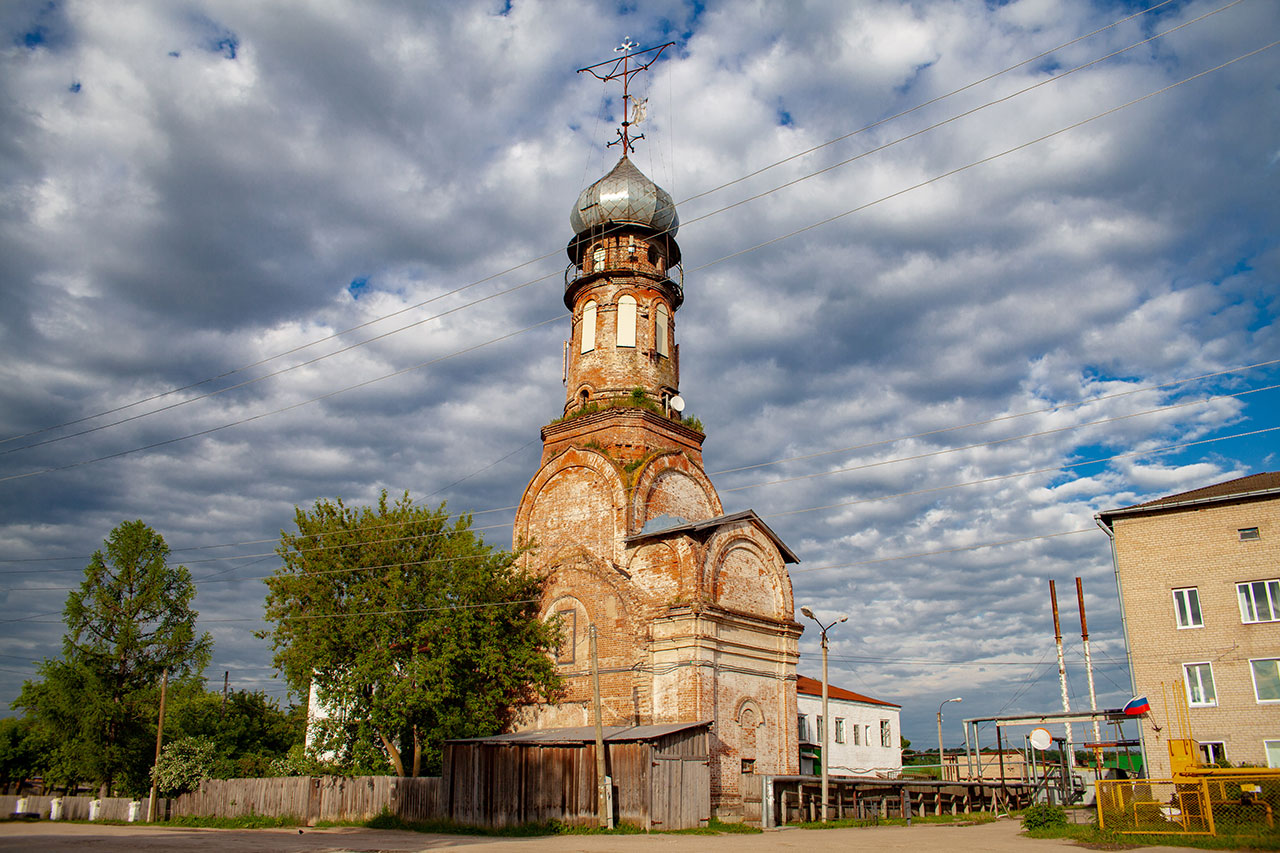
(1213,804)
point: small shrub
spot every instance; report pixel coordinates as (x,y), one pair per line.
(1044,816)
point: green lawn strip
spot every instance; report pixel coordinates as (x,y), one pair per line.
(1103,839)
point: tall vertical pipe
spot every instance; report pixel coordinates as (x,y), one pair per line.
(1070,759)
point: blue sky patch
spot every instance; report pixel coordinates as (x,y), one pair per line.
(357,286)
(74,88)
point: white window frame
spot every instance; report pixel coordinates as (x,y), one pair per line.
(1211,746)
(886,734)
(661,330)
(1183,599)
(1253,673)
(857,735)
(1248,598)
(588,342)
(839,729)
(627,313)
(820,730)
(1187,669)
(1271,748)
(802,725)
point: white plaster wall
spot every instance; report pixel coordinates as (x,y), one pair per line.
(847,759)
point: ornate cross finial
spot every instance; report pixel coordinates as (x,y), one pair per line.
(623,69)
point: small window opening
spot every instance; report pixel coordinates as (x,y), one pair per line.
(748,765)
(1248,533)
(661,327)
(597,258)
(626,321)
(583,397)
(653,256)
(588,327)
(631,248)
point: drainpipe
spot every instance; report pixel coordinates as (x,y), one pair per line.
(1128,648)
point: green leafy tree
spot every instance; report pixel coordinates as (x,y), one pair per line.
(411,628)
(18,753)
(183,763)
(95,710)
(249,731)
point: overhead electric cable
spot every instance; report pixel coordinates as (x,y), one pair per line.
(551,254)
(738,253)
(993,442)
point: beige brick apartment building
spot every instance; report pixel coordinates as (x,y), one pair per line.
(1199,579)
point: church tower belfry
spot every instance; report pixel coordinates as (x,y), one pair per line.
(692,607)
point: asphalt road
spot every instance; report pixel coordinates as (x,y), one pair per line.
(1002,835)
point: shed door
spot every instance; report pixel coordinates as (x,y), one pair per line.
(681,797)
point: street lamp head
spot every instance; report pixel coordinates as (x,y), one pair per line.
(844,618)
(957,699)
(807,612)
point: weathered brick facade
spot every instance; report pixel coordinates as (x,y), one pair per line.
(1210,541)
(693,608)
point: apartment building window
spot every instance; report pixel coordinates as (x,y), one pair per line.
(1266,679)
(1186,607)
(1199,678)
(857,735)
(1248,534)
(821,732)
(1259,601)
(886,734)
(802,727)
(1213,752)
(839,730)
(1272,748)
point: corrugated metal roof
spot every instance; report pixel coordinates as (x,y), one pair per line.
(813,687)
(587,734)
(747,515)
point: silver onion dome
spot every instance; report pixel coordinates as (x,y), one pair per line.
(624,195)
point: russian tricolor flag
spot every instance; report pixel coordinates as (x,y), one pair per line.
(1137,705)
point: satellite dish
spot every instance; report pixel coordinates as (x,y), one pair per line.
(1041,739)
(676,403)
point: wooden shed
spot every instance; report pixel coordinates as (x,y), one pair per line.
(661,776)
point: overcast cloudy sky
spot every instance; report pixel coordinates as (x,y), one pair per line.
(920,396)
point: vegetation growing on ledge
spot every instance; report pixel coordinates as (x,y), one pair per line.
(637,399)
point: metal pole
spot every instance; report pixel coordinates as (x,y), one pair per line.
(966,739)
(226,678)
(1088,668)
(155,780)
(942,773)
(1069,760)
(826,725)
(606,817)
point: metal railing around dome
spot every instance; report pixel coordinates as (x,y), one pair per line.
(674,275)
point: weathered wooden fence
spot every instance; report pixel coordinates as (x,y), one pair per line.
(315,798)
(73,808)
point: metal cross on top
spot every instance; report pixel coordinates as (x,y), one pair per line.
(621,68)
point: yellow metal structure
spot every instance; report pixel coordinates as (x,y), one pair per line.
(1198,800)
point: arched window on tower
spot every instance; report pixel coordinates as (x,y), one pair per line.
(627,321)
(597,258)
(589,326)
(661,327)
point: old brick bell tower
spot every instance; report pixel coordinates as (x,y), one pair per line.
(692,607)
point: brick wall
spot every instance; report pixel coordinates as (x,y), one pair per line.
(1200,547)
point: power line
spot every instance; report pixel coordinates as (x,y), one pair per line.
(730,256)
(1056,77)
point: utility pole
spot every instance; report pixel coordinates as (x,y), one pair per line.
(826,719)
(155,781)
(603,786)
(940,761)
(226,678)
(1069,760)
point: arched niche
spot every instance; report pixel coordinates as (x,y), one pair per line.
(746,575)
(671,485)
(575,499)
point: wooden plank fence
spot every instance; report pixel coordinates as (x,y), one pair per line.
(315,798)
(73,808)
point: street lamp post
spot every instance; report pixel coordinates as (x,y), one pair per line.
(940,771)
(826,718)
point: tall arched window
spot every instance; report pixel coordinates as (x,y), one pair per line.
(661,325)
(588,326)
(627,321)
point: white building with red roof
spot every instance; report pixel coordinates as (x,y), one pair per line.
(865,735)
